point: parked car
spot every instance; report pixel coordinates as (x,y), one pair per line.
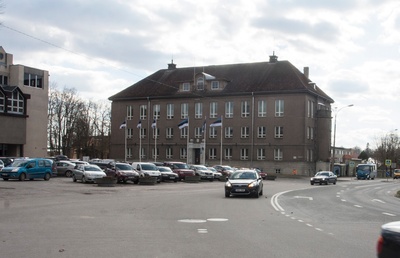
(147,169)
(1,164)
(261,173)
(180,168)
(123,172)
(65,168)
(203,172)
(31,169)
(87,173)
(324,177)
(217,175)
(7,161)
(224,170)
(167,174)
(244,182)
(388,245)
(396,173)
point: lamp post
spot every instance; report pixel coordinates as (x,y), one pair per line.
(334,135)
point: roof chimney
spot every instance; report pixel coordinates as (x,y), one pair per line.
(171,66)
(306,72)
(273,58)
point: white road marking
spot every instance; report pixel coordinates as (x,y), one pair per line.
(202,231)
(358,206)
(217,219)
(303,197)
(377,200)
(389,214)
(193,220)
(343,200)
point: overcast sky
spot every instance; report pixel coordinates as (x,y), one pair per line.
(100,47)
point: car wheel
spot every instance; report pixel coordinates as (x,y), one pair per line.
(227,194)
(22,177)
(261,193)
(68,173)
(136,181)
(320,183)
(257,194)
(5,179)
(175,180)
(211,180)
(47,176)
(84,179)
(326,183)
(312,183)
(73,178)
(334,182)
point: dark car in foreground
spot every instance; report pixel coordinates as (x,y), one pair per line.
(389,241)
(180,168)
(123,172)
(324,177)
(244,182)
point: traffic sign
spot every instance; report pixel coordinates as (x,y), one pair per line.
(388,162)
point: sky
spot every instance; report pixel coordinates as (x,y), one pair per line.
(100,47)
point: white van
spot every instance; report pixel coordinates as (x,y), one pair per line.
(147,169)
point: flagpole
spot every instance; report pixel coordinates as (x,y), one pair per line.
(187,142)
(205,138)
(126,135)
(220,162)
(140,141)
(155,140)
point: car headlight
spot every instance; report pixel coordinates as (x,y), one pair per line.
(228,184)
(15,169)
(252,184)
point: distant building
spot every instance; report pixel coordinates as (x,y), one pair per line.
(273,117)
(23,108)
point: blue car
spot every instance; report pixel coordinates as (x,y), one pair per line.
(22,169)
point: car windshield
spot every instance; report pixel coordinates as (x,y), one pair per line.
(124,167)
(181,166)
(201,167)
(243,175)
(322,174)
(149,167)
(19,163)
(92,168)
(164,169)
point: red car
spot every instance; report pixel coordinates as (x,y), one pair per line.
(180,168)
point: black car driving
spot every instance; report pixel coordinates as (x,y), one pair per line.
(324,177)
(244,182)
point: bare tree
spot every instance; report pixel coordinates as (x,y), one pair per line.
(388,147)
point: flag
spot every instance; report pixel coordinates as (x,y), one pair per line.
(216,123)
(154,124)
(139,125)
(183,123)
(123,125)
(203,128)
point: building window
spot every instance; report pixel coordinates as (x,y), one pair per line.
(2,102)
(261,154)
(213,109)
(278,154)
(155,152)
(129,112)
(229,109)
(156,133)
(215,85)
(142,153)
(198,132)
(129,152)
(213,132)
(198,110)
(200,83)
(244,132)
(184,132)
(142,133)
(278,132)
(186,86)
(244,154)
(156,111)
(245,108)
(262,108)
(129,132)
(184,110)
(277,170)
(183,153)
(310,109)
(228,132)
(169,153)
(311,133)
(3,80)
(15,104)
(262,132)
(310,155)
(170,111)
(143,112)
(212,153)
(33,80)
(169,132)
(228,153)
(279,108)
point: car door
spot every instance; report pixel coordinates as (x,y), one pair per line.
(32,169)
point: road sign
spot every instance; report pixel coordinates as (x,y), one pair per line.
(352,164)
(388,162)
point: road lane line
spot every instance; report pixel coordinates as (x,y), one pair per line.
(389,214)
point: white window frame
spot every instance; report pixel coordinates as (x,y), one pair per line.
(228,132)
(229,109)
(279,132)
(143,112)
(278,154)
(212,132)
(212,153)
(169,132)
(260,154)
(198,132)
(244,154)
(215,85)
(169,153)
(170,111)
(184,132)
(184,110)
(156,111)
(198,110)
(15,103)
(279,107)
(245,132)
(186,86)
(262,132)
(183,153)
(129,112)
(245,108)
(213,109)
(228,153)
(262,108)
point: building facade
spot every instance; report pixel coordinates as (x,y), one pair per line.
(267,115)
(23,109)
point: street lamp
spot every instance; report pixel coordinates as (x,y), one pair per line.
(334,134)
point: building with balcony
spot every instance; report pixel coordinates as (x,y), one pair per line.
(23,109)
(270,115)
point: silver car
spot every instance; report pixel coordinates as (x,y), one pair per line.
(87,173)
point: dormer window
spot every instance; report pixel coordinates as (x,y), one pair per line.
(200,83)
(215,85)
(186,86)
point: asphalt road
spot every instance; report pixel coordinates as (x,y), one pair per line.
(59,218)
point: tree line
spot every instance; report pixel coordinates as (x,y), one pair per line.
(77,127)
